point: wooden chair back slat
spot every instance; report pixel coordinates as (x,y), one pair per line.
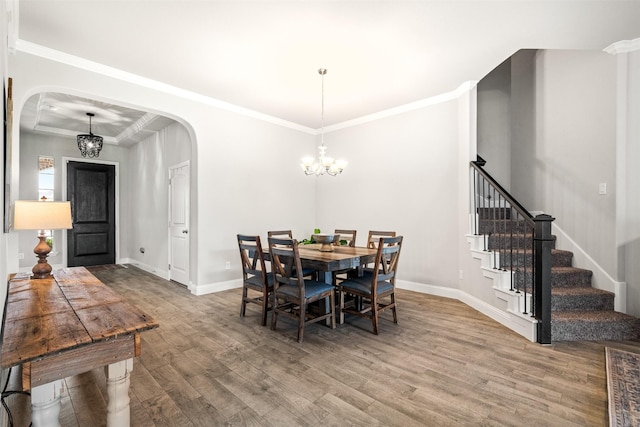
(348,235)
(374,237)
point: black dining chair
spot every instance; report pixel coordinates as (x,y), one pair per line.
(376,288)
(293,293)
(255,278)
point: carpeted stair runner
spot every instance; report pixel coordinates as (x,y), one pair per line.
(579,311)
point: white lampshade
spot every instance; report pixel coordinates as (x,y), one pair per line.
(36,215)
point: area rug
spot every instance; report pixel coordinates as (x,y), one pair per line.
(623,387)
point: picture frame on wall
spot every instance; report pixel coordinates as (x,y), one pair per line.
(8,130)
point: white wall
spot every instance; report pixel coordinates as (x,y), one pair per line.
(246,170)
(494,123)
(628,240)
(402,176)
(148,216)
(576,148)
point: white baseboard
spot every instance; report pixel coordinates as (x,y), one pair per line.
(163,274)
(215,287)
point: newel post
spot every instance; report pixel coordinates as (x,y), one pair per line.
(543,243)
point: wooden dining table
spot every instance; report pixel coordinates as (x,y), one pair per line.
(326,263)
(341,258)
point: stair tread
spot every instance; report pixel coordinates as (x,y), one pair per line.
(579,291)
(568,269)
(591,316)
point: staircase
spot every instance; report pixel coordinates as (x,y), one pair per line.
(579,312)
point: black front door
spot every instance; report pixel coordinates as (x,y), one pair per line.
(91,191)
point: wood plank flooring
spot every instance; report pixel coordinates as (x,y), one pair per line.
(444,364)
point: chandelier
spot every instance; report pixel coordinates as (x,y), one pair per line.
(324,164)
(89,144)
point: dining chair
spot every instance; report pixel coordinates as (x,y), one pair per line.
(306,272)
(255,277)
(374,237)
(280,233)
(348,235)
(293,293)
(377,289)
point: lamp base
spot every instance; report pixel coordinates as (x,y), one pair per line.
(42,270)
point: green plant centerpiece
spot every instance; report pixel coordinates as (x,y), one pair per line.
(310,240)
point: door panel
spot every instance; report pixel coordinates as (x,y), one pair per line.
(179,224)
(91,191)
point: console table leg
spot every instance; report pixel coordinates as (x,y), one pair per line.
(118,411)
(45,404)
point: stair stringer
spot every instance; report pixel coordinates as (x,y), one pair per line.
(519,320)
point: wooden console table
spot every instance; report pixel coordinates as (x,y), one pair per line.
(66,325)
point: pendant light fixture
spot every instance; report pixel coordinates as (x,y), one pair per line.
(324,164)
(89,144)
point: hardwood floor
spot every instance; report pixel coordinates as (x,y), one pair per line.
(444,364)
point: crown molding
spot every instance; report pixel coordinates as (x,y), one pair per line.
(95,67)
(623,46)
(84,64)
(438,99)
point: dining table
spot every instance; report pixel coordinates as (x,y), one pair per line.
(340,258)
(327,262)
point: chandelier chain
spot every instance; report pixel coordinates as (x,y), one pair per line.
(323,164)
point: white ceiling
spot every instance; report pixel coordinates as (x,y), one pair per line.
(263,55)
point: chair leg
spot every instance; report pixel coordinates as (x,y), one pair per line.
(303,315)
(332,301)
(243,305)
(374,314)
(341,313)
(265,308)
(393,308)
(274,314)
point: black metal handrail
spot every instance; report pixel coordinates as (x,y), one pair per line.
(519,243)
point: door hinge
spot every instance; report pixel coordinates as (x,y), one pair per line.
(169,267)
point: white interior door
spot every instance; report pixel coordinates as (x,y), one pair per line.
(179,223)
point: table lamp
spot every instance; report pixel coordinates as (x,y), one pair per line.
(35,215)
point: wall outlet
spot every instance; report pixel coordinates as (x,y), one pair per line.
(461,274)
(602,188)
(227,265)
(20,256)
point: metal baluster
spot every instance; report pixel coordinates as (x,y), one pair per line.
(503,233)
(518,247)
(493,214)
(475,202)
(485,241)
(511,247)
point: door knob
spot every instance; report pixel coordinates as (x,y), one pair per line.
(185,231)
